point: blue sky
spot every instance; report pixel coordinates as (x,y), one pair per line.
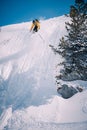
(17,11)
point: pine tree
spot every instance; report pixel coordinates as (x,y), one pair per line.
(75,49)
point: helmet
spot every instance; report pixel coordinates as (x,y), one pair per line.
(33,21)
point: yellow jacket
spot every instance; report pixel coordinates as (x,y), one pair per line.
(35,24)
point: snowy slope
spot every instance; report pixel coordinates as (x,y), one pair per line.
(27,80)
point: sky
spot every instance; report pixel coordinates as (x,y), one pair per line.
(17,11)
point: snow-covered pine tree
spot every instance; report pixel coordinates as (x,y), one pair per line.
(74,48)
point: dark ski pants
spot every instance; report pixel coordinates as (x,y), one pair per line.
(35,29)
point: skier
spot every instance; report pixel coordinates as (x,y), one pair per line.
(35,25)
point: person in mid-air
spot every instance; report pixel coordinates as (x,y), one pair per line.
(35,26)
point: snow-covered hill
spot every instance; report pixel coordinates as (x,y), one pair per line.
(28,96)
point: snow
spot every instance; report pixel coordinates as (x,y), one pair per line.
(27,76)
(4,117)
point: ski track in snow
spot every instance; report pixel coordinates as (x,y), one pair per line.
(27,71)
